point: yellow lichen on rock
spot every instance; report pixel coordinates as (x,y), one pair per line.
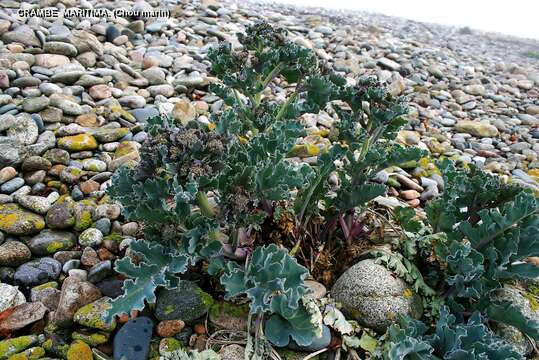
(80,142)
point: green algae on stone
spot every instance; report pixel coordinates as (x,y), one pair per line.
(29,354)
(287,354)
(75,143)
(168,345)
(84,212)
(187,302)
(15,220)
(109,135)
(47,285)
(16,345)
(57,348)
(93,315)
(51,241)
(226,315)
(92,339)
(79,350)
(114,237)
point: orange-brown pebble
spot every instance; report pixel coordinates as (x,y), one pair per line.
(105,254)
(413,203)
(410,194)
(200,329)
(89,186)
(169,328)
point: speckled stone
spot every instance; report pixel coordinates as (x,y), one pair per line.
(374,296)
(132,341)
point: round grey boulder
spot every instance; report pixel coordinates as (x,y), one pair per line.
(374,296)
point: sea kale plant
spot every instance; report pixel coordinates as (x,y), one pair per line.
(480,233)
(224,194)
(231,198)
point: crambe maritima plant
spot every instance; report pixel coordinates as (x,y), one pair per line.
(204,193)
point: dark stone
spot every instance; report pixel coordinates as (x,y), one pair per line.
(184,336)
(103,225)
(112,33)
(99,271)
(187,302)
(37,272)
(111,287)
(133,340)
(6,274)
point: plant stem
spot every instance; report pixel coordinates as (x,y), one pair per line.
(345,230)
(289,101)
(276,70)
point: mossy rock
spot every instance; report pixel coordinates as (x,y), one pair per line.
(110,135)
(15,220)
(36,352)
(56,346)
(16,345)
(228,316)
(93,315)
(187,302)
(76,143)
(79,350)
(51,241)
(93,338)
(287,354)
(168,345)
(84,211)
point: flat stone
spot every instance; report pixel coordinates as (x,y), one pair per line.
(37,272)
(79,142)
(60,48)
(22,34)
(15,220)
(187,302)
(51,241)
(36,104)
(51,60)
(476,128)
(17,317)
(93,315)
(14,253)
(10,296)
(75,294)
(132,341)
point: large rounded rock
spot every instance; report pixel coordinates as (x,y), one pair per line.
(80,142)
(10,296)
(229,316)
(375,297)
(51,241)
(15,220)
(20,316)
(37,272)
(512,335)
(14,253)
(75,294)
(476,128)
(187,302)
(60,215)
(93,315)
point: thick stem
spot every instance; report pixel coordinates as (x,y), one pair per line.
(345,230)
